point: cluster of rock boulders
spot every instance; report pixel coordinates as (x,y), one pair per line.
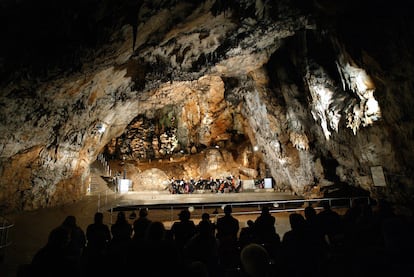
(144,140)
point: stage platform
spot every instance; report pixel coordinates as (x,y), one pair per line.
(133,200)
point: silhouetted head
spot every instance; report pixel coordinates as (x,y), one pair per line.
(310,212)
(98,217)
(228,210)
(121,217)
(297,221)
(70,221)
(155,231)
(255,260)
(143,212)
(265,211)
(184,215)
(205,216)
(250,223)
(58,238)
(205,228)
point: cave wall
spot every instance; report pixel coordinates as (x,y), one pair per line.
(203,118)
(305,81)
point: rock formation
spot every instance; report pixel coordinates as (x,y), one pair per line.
(320,91)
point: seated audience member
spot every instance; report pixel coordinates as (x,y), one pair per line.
(157,256)
(98,237)
(206,217)
(331,224)
(53,259)
(183,229)
(227,234)
(255,261)
(121,230)
(316,235)
(203,247)
(77,239)
(265,232)
(141,224)
(120,244)
(296,251)
(246,234)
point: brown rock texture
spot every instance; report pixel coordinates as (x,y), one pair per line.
(310,94)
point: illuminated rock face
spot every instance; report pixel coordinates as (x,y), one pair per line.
(319,95)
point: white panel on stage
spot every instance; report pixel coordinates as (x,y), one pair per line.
(268,183)
(123,185)
(248,184)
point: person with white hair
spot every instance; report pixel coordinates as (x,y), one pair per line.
(255,261)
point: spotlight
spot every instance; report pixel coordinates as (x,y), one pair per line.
(191,209)
(255,148)
(276,205)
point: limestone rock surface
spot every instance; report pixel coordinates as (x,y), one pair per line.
(308,93)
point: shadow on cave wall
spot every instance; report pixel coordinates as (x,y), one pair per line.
(339,188)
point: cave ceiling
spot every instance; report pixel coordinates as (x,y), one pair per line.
(320,91)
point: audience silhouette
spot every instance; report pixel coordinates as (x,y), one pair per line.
(227,234)
(363,241)
(141,224)
(77,241)
(330,223)
(98,238)
(157,256)
(61,256)
(265,232)
(246,235)
(121,230)
(206,217)
(203,247)
(255,261)
(119,246)
(53,259)
(184,229)
(296,247)
(98,235)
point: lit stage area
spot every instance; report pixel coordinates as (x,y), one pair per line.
(159,200)
(165,206)
(126,199)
